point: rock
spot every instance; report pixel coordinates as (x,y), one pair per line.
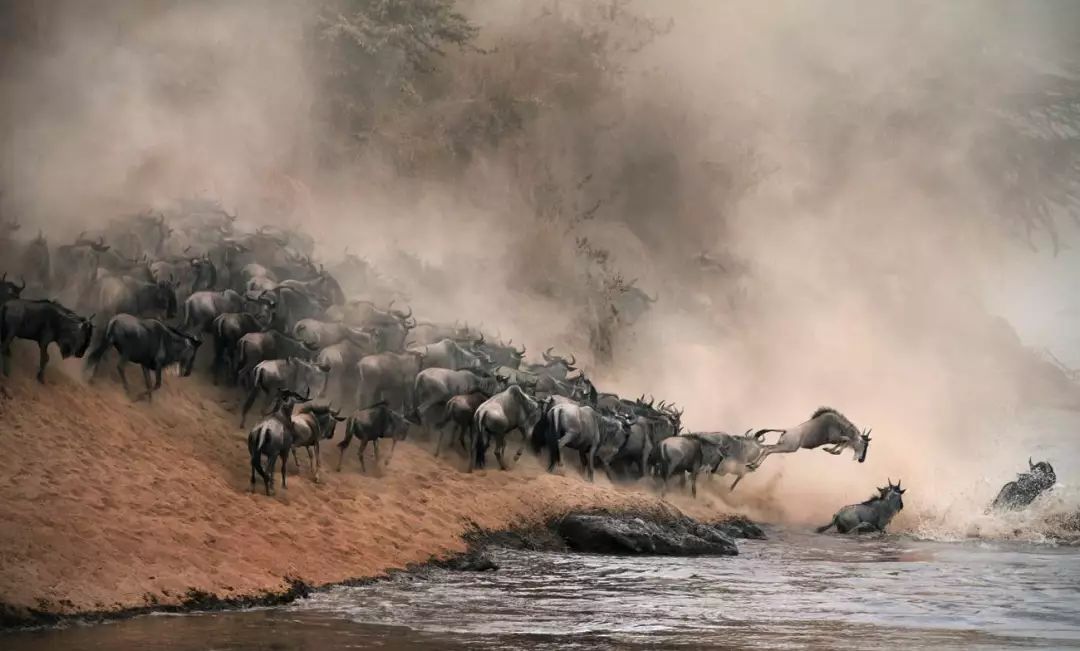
(740,527)
(471,561)
(627,534)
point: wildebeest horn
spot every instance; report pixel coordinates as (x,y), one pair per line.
(547,357)
(91,317)
(1031,466)
(23,283)
(3,278)
(522,353)
(661,407)
(480,341)
(573,360)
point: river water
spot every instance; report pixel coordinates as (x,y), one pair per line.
(795,590)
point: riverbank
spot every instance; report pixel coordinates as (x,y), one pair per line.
(111,507)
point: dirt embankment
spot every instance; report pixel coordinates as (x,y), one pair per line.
(106,504)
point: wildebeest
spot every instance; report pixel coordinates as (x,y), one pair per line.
(686,453)
(387,376)
(290,373)
(273,437)
(554,365)
(500,414)
(341,360)
(736,453)
(501,354)
(586,430)
(872,515)
(825,427)
(433,387)
(43,322)
(147,342)
(228,329)
(201,308)
(127,295)
(1017,495)
(256,347)
(449,355)
(371,424)
(458,413)
(314,423)
(320,334)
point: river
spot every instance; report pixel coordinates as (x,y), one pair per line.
(795,590)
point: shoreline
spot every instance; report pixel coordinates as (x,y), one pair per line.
(536,536)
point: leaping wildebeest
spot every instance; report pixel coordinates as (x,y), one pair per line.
(872,515)
(43,322)
(149,343)
(825,427)
(371,424)
(500,414)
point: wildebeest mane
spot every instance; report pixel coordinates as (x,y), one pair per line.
(844,422)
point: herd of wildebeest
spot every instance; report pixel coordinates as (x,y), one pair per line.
(156,286)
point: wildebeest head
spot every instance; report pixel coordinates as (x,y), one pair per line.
(891,495)
(182,350)
(1043,473)
(861,445)
(164,296)
(9,290)
(74,337)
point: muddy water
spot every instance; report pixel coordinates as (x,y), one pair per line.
(795,590)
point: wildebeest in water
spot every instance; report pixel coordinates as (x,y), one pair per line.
(872,515)
(1019,494)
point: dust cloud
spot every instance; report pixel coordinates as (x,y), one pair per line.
(798,182)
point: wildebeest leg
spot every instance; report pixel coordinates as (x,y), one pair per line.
(271,463)
(836,449)
(5,355)
(500,446)
(736,482)
(296,458)
(863,527)
(524,442)
(363,446)
(375,446)
(146,381)
(157,378)
(592,461)
(247,404)
(439,433)
(120,371)
(583,457)
(43,359)
(284,467)
(393,444)
(693,482)
(318,462)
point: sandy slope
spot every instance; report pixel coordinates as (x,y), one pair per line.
(105,503)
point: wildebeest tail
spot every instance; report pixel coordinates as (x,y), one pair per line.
(255,442)
(350,425)
(826,527)
(479,440)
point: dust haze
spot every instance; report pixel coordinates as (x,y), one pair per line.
(796,181)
